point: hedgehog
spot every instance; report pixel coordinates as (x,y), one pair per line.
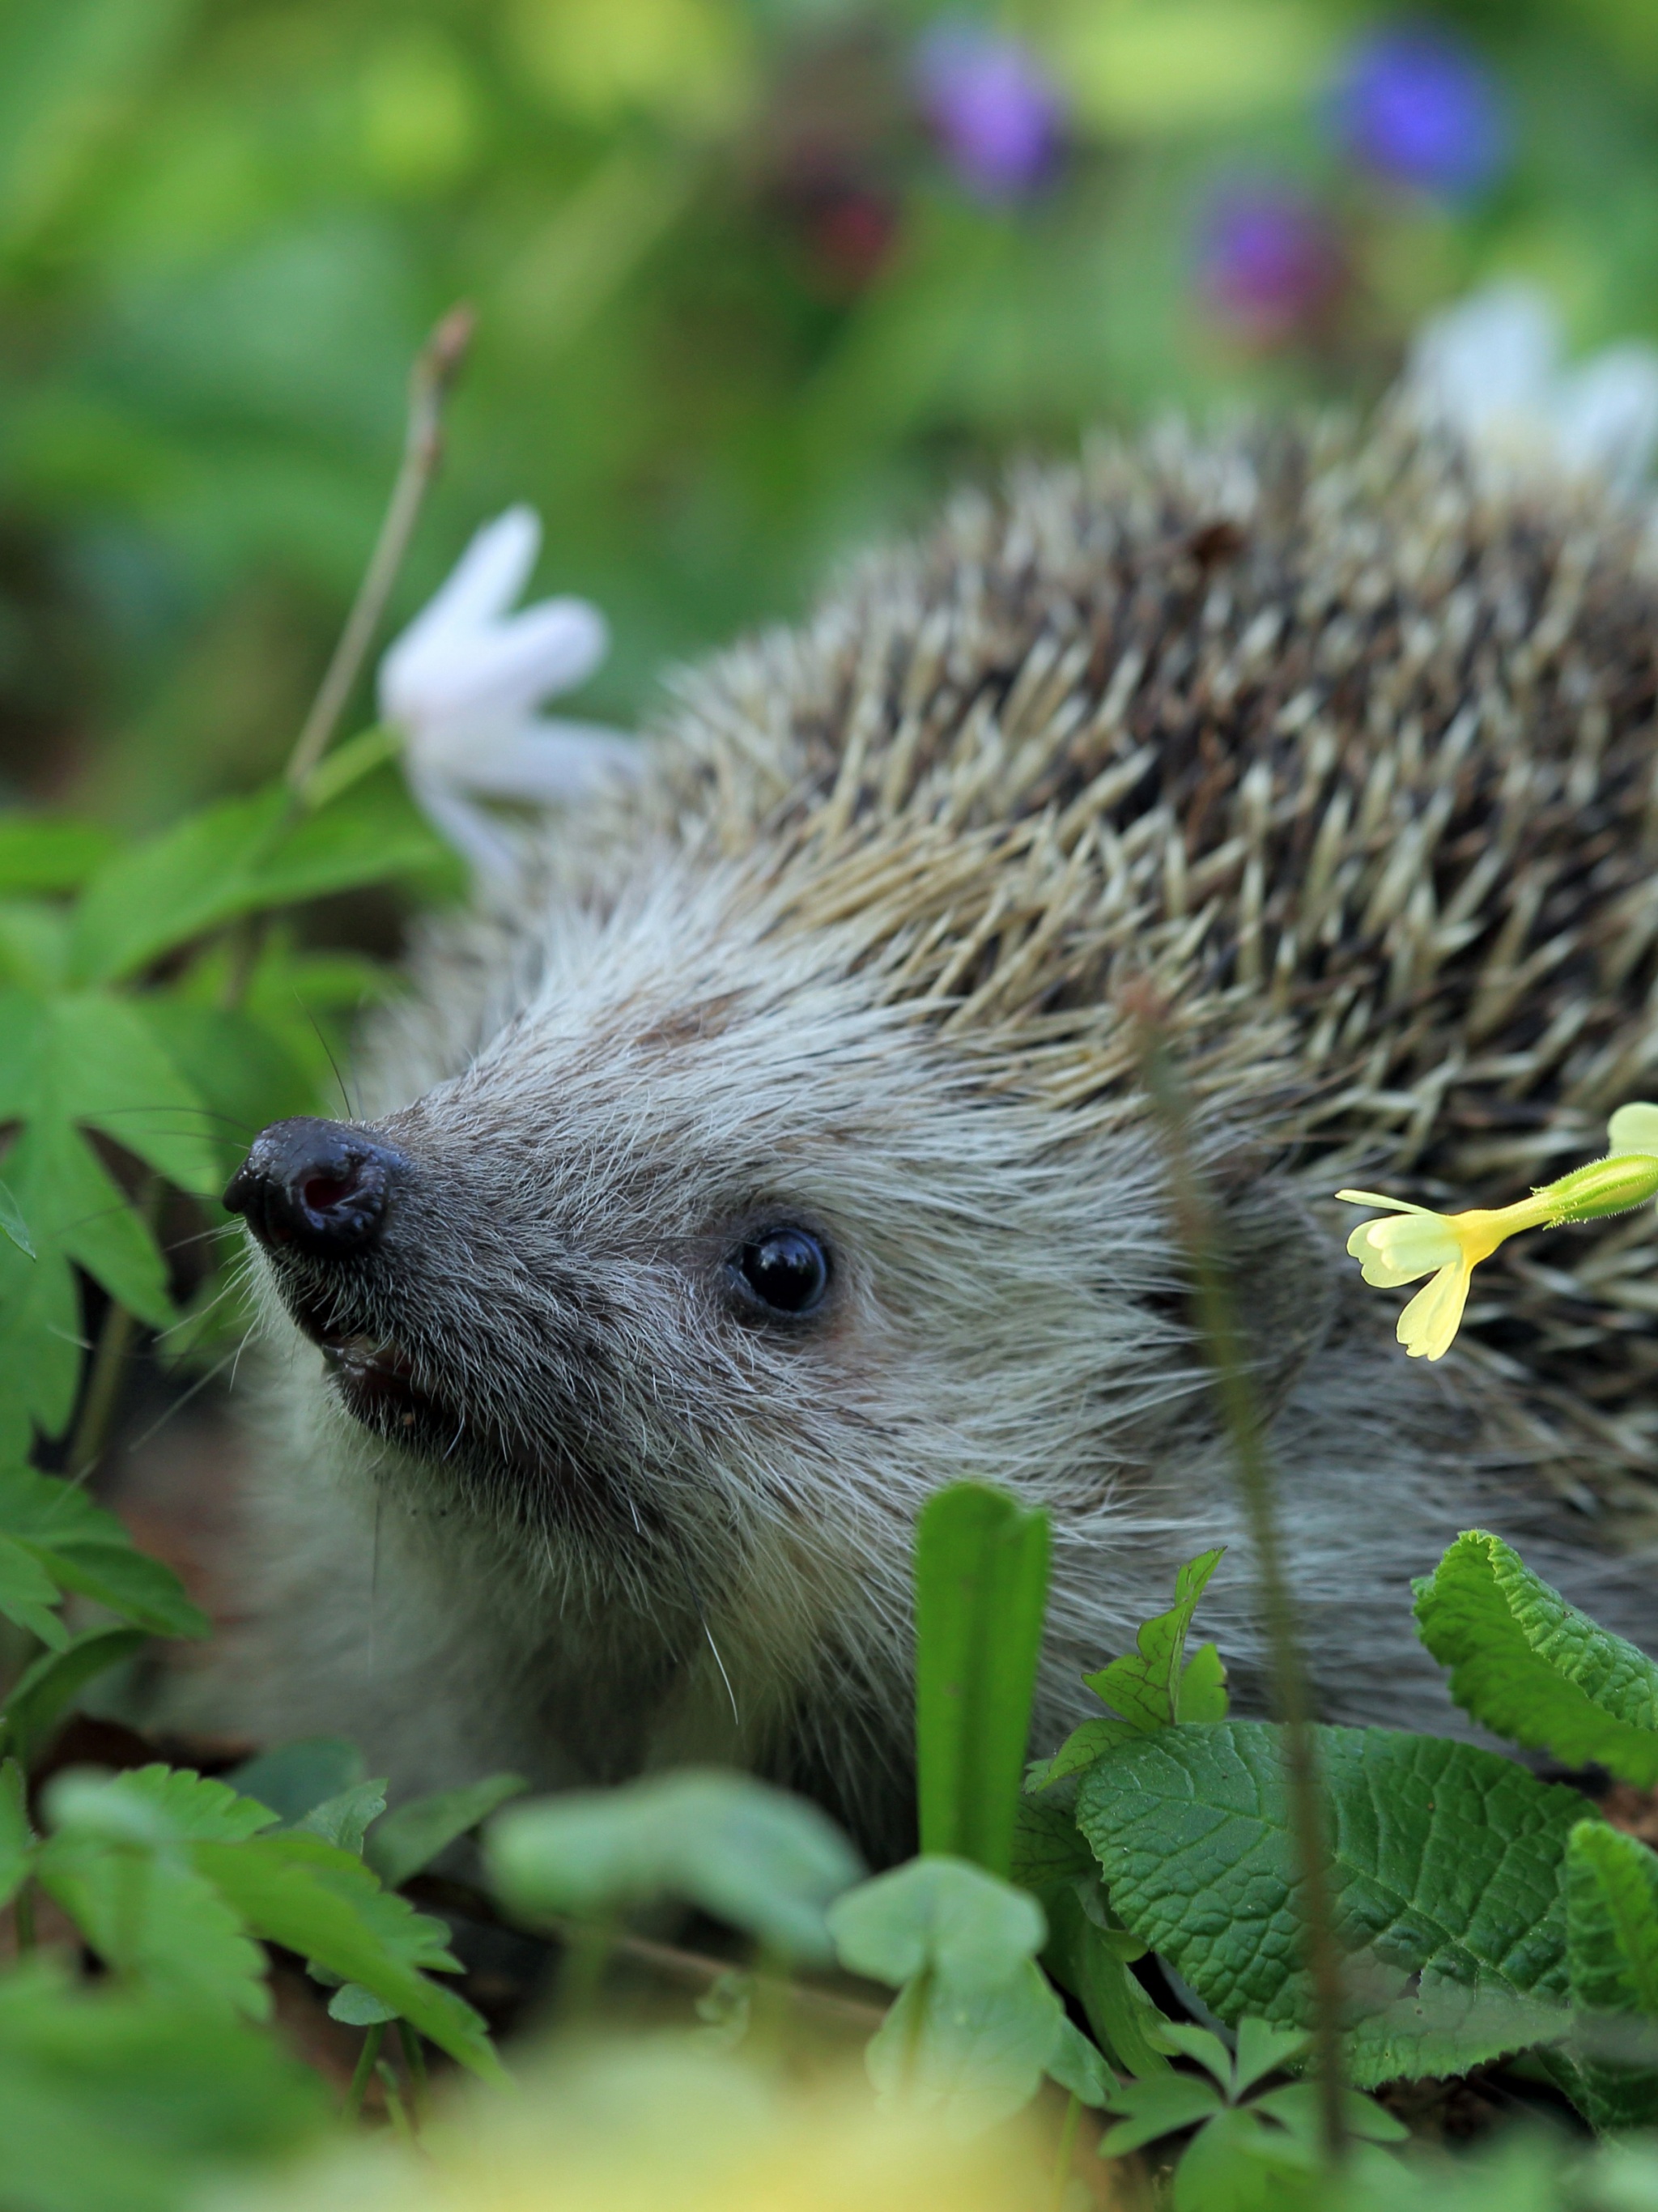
(780,1153)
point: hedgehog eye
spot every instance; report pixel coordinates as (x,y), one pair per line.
(786,1270)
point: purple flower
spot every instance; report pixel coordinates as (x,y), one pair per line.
(1420,108)
(993,109)
(1268,260)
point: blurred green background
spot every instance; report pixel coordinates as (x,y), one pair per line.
(750,289)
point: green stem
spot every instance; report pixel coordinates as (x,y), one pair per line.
(435,369)
(414,2059)
(1224,1345)
(1066,2151)
(586,1961)
(394,2104)
(367,2059)
(22,1913)
(102,1394)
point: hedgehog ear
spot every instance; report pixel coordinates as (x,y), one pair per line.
(1285,1279)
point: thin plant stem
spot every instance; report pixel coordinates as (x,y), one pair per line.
(435,368)
(109,1357)
(413,2060)
(394,2103)
(1066,2151)
(581,1980)
(1224,1346)
(368,2058)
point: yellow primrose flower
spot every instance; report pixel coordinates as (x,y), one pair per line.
(1414,1240)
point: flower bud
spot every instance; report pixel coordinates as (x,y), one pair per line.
(1609,1186)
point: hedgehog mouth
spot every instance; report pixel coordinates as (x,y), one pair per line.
(376,1379)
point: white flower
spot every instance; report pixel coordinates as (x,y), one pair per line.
(461,685)
(1489,370)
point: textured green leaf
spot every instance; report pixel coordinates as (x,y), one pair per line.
(1530,1666)
(981,1593)
(1047,1845)
(46,1690)
(1446,1864)
(299,1892)
(1612,1919)
(747,1853)
(155,1922)
(1155,1684)
(412,1835)
(1093,1963)
(1077,1753)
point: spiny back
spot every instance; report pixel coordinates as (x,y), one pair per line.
(1351,757)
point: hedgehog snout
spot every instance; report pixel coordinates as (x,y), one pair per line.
(319,1185)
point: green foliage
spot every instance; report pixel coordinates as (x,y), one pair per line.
(981,1593)
(47,1689)
(976,2025)
(409,1839)
(1449,1905)
(1611,1912)
(54,1540)
(112,2098)
(1254,2150)
(1530,1666)
(761,1860)
(1157,1685)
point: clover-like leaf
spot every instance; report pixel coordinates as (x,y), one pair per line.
(750,1855)
(1530,1666)
(937,1915)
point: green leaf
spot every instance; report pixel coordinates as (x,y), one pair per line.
(154,1804)
(245,1074)
(17,1838)
(12,1223)
(294,1777)
(28,1595)
(980,1591)
(299,1892)
(1157,1685)
(1159,2105)
(1612,1919)
(357,2006)
(343,1821)
(938,1915)
(1078,1752)
(743,1851)
(1445,1863)
(410,1837)
(155,1922)
(1048,1847)
(1530,1666)
(241,857)
(50,853)
(46,1690)
(1093,1963)
(81,1548)
(974,2053)
(109,2099)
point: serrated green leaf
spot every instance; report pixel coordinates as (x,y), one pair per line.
(46,1690)
(1048,1846)
(1155,1685)
(1446,1867)
(1154,2107)
(412,1835)
(28,1596)
(1077,1753)
(16,1838)
(81,1548)
(291,1778)
(981,1593)
(343,1821)
(156,1923)
(155,1804)
(12,1223)
(299,1892)
(1530,1666)
(748,1854)
(1612,1918)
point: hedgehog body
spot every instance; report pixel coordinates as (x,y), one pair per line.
(1348,763)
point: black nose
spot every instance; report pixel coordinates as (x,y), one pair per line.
(318,1185)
